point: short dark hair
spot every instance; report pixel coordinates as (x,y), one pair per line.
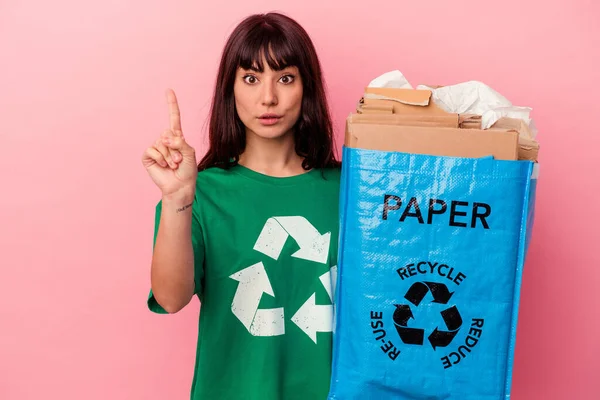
(283,42)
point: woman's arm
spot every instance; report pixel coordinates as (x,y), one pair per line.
(172,271)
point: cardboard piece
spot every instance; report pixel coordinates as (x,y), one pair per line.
(528,146)
(376,109)
(438,120)
(406,120)
(432,140)
(402,101)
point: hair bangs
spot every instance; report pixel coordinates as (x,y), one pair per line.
(270,44)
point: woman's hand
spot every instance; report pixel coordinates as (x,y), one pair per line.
(170,161)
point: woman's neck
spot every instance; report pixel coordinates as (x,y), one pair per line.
(273,157)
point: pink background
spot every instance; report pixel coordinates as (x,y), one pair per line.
(81,96)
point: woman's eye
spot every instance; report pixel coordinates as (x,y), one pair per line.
(250,79)
(287,79)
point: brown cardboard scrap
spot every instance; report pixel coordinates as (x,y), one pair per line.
(407,120)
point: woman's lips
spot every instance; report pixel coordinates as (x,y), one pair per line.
(269,119)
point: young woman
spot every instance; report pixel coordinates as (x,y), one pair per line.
(252,229)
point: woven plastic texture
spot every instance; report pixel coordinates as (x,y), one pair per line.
(429,273)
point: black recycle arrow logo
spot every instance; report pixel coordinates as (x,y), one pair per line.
(408,335)
(415,294)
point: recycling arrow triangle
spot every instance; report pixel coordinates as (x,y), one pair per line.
(275,232)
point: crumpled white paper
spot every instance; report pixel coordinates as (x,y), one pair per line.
(392,79)
(472,97)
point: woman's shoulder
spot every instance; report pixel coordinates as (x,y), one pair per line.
(333,171)
(212,174)
(331,174)
(212,180)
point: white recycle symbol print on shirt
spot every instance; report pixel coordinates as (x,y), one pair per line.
(254,281)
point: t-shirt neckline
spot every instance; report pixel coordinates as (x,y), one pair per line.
(281,180)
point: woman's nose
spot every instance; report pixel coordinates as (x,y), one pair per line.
(269,94)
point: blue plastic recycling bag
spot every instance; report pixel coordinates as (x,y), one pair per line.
(429,273)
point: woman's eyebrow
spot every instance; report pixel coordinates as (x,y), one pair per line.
(287,68)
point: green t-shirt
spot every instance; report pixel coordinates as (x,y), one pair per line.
(265,253)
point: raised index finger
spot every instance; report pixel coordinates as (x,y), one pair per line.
(174,115)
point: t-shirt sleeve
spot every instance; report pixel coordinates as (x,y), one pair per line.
(198,248)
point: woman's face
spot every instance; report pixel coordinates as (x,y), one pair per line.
(268,103)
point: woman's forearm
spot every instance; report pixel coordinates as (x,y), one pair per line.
(172,271)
